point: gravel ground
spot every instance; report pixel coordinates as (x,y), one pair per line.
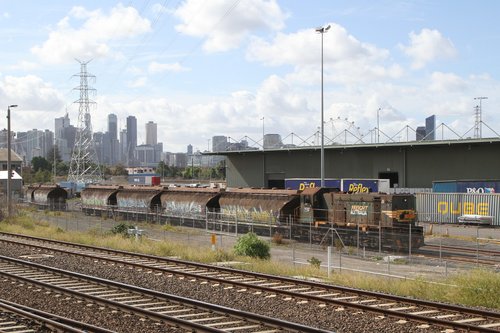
(329,317)
(19,320)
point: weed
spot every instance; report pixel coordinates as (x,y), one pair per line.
(315,262)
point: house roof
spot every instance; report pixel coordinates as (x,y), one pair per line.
(13,155)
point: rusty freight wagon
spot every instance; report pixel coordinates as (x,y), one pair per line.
(51,197)
(97,199)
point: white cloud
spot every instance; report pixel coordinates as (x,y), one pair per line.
(156,67)
(346,59)
(31,93)
(24,66)
(137,83)
(447,82)
(225,24)
(90,38)
(427,46)
(38,102)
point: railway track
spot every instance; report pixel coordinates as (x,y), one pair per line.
(179,312)
(18,318)
(487,257)
(423,312)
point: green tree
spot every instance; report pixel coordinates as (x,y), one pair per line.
(42,176)
(40,164)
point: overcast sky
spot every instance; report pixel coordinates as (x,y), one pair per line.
(202,68)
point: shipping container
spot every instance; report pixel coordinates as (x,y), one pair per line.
(360,185)
(351,185)
(144,179)
(466,186)
(303,183)
(448,207)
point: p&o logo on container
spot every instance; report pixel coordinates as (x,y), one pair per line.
(480,190)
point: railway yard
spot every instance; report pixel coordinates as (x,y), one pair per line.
(126,292)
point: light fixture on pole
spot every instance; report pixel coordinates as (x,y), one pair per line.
(9,171)
(322,31)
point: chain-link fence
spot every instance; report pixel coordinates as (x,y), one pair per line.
(355,248)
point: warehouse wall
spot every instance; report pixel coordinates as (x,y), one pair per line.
(414,165)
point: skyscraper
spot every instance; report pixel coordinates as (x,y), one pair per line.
(112,138)
(151,133)
(113,126)
(430,127)
(131,138)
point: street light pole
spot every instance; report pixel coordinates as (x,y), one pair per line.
(263,135)
(9,172)
(322,31)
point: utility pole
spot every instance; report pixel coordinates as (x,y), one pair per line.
(9,167)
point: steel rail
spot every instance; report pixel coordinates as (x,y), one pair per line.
(250,317)
(67,324)
(311,284)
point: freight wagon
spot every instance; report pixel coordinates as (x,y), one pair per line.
(52,197)
(313,214)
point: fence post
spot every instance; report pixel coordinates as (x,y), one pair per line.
(380,236)
(293,255)
(340,260)
(409,247)
(357,238)
(477,246)
(329,259)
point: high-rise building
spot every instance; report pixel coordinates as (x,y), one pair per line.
(272,141)
(34,143)
(151,133)
(190,149)
(65,135)
(430,128)
(113,126)
(420,133)
(131,139)
(219,143)
(123,146)
(111,137)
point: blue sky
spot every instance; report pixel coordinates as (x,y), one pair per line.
(203,68)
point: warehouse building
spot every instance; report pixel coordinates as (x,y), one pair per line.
(405,164)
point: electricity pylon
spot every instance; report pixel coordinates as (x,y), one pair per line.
(84,165)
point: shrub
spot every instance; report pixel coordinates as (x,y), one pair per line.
(121,229)
(315,262)
(250,245)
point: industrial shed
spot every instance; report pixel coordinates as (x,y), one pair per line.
(406,164)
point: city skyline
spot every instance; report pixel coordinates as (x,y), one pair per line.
(222,68)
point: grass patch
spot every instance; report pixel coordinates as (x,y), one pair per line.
(471,288)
